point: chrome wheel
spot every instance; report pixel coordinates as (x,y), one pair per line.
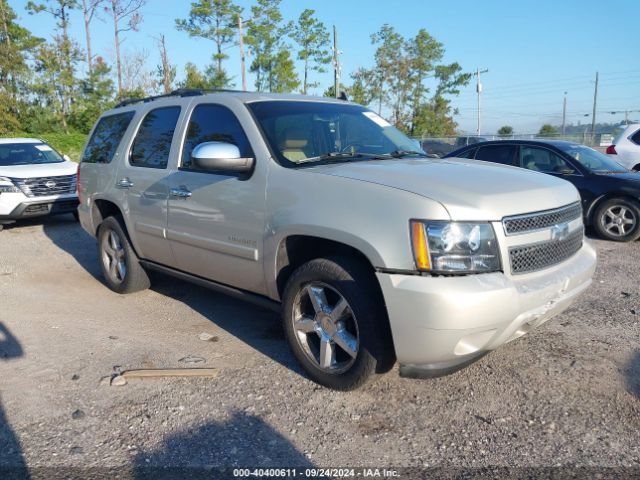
(325,327)
(618,220)
(114,257)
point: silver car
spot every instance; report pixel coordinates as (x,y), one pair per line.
(320,209)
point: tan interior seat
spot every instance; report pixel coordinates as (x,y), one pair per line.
(294,144)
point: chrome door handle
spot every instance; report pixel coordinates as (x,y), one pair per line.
(124,183)
(180,193)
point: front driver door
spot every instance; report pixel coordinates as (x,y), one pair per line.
(216,221)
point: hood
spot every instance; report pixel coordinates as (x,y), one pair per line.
(468,189)
(39,170)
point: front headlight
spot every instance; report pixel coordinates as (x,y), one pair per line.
(7,186)
(454,247)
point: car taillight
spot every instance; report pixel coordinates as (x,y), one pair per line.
(611,150)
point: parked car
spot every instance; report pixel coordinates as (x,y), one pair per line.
(35,180)
(625,148)
(610,193)
(319,209)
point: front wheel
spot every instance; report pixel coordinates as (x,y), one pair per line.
(119,263)
(336,323)
(618,219)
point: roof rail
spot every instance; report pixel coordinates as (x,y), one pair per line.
(180,92)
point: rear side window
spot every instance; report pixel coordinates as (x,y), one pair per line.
(213,123)
(152,144)
(635,138)
(106,137)
(504,154)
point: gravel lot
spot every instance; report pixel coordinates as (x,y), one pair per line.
(567,394)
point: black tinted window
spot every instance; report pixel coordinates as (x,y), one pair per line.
(214,123)
(636,137)
(106,138)
(504,154)
(468,154)
(152,144)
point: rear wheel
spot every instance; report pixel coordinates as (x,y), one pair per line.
(119,263)
(618,219)
(336,323)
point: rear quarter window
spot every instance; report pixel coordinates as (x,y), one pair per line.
(106,137)
(635,138)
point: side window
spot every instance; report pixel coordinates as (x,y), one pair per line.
(213,123)
(468,154)
(635,138)
(106,137)
(543,160)
(504,154)
(152,144)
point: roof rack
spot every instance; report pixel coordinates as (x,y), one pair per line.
(180,92)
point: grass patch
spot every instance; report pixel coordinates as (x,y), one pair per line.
(66,143)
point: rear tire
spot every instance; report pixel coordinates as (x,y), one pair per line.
(618,219)
(336,322)
(119,263)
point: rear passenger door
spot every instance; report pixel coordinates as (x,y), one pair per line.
(143,180)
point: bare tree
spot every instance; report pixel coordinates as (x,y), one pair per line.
(167,72)
(126,16)
(89,8)
(137,80)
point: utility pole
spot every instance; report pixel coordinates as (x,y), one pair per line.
(564,112)
(593,117)
(242,67)
(336,63)
(479,90)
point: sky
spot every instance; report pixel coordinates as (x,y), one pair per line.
(534,50)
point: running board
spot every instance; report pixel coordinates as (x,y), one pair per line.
(254,298)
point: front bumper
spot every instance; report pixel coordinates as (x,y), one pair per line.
(38,207)
(441,324)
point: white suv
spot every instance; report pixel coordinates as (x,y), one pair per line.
(35,180)
(626,147)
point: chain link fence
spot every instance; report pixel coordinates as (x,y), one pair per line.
(441,146)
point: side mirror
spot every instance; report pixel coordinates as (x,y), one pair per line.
(220,157)
(66,157)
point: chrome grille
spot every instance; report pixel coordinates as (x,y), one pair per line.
(46,186)
(536,256)
(530,222)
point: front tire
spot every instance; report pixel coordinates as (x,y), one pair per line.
(119,263)
(336,323)
(618,219)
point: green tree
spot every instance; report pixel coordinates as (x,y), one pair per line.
(505,131)
(57,62)
(213,20)
(97,94)
(547,130)
(314,41)
(271,63)
(400,81)
(194,78)
(16,45)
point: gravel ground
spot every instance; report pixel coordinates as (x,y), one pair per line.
(567,394)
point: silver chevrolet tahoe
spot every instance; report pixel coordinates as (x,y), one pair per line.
(318,208)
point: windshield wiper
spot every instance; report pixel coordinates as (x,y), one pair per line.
(402,153)
(333,156)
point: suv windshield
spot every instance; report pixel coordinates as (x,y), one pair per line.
(592,159)
(27,154)
(310,132)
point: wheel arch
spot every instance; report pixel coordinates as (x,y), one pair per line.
(296,249)
(603,198)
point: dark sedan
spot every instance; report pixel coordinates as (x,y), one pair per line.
(610,193)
